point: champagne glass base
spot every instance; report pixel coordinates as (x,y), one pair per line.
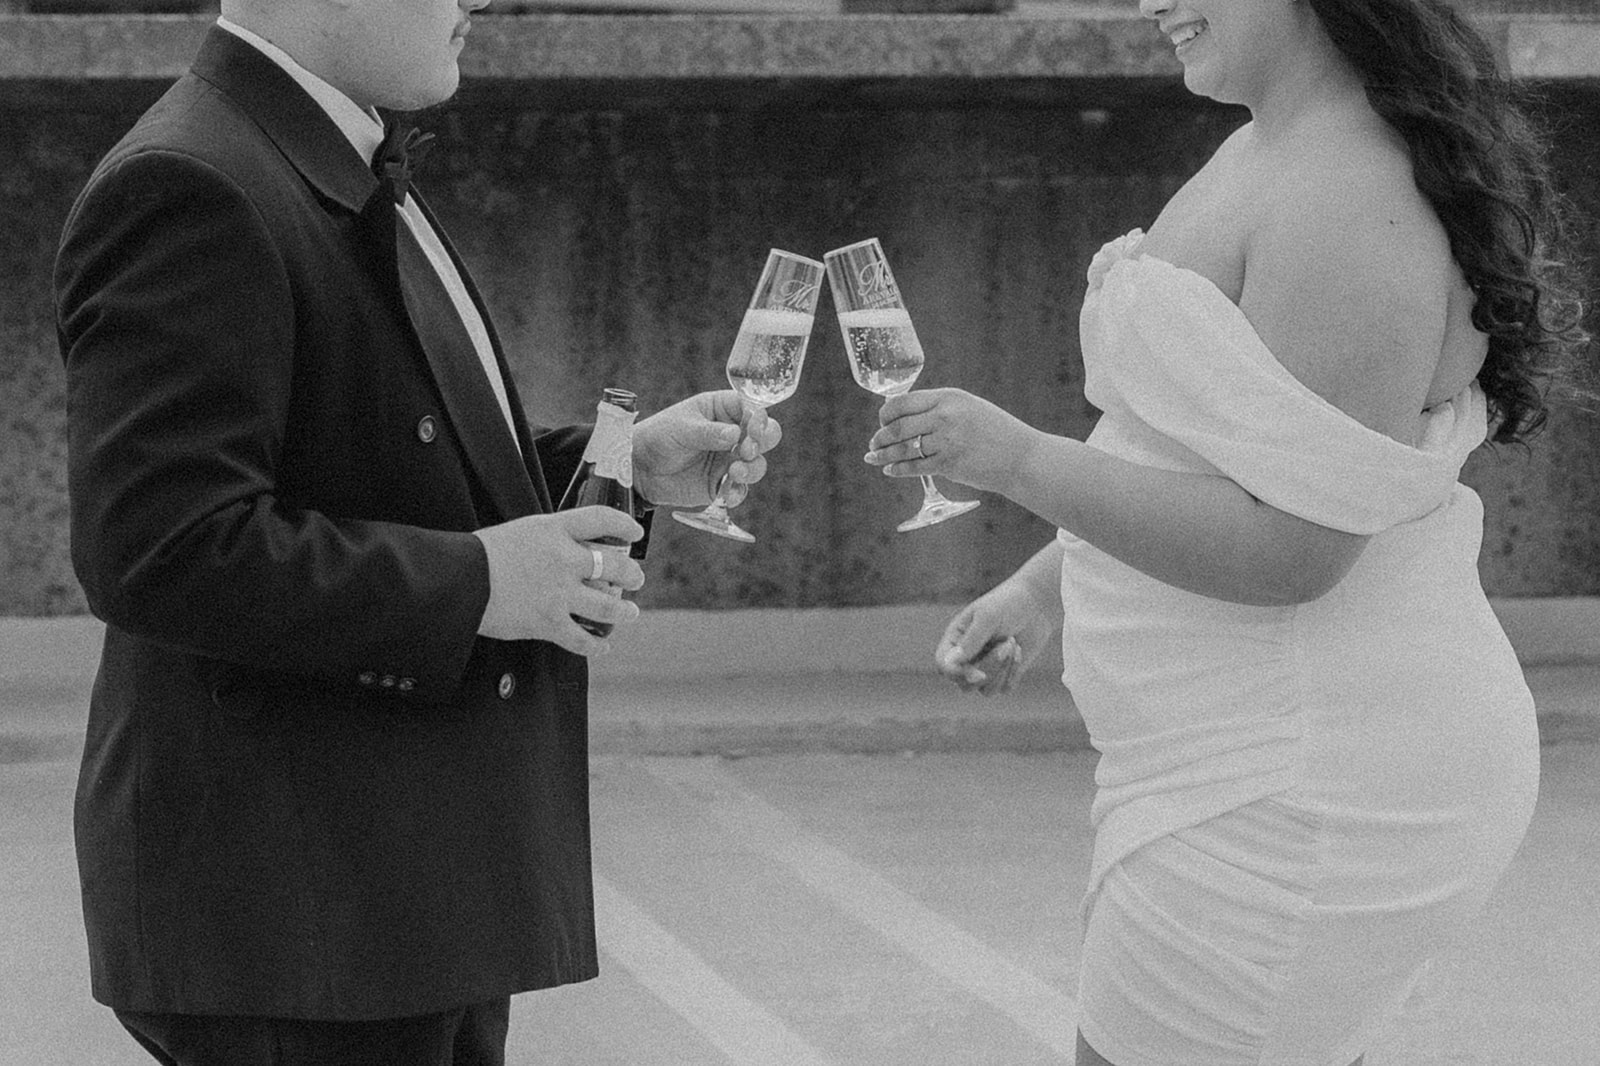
(709,521)
(935,511)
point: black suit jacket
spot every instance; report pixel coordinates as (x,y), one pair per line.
(309,789)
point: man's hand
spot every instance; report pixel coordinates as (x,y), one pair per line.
(540,571)
(680,453)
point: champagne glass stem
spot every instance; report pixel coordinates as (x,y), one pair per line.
(717,509)
(714,517)
(935,508)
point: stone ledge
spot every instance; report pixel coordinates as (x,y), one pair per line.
(1554,48)
(1085,42)
(767,681)
(680,645)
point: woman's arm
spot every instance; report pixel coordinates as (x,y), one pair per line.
(1200,533)
(1203,534)
(1025,607)
(1360,323)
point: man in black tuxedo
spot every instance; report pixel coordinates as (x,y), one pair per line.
(334,803)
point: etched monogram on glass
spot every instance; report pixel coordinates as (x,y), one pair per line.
(881,344)
(767,357)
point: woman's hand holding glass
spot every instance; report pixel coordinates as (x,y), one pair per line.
(884,352)
(953,433)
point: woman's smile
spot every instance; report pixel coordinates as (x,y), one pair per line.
(1183,35)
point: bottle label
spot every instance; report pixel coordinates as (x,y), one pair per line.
(610,447)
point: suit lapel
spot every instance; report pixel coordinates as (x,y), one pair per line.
(319,150)
(470,400)
(528,458)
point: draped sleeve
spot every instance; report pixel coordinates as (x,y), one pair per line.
(1165,348)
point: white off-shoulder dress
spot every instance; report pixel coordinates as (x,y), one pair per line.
(1296,806)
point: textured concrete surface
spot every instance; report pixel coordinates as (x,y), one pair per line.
(619,247)
(836,910)
(1065,40)
(764,682)
(894,880)
(616,234)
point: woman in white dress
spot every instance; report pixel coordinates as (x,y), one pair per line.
(1318,754)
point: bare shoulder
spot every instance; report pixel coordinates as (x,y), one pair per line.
(1348,277)
(1203,227)
(1351,203)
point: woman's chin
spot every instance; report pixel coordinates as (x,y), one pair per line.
(1198,82)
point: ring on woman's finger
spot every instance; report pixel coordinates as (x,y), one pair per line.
(916,443)
(599,565)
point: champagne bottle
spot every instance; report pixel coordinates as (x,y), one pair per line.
(605,476)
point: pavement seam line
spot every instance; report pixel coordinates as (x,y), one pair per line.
(742,1029)
(1044,1012)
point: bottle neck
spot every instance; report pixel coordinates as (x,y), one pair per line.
(610,446)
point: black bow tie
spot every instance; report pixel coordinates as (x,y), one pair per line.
(400,154)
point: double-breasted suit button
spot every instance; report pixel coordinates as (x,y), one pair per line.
(508,685)
(366,677)
(406,685)
(389,681)
(427,429)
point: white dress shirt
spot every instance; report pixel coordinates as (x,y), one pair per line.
(365,133)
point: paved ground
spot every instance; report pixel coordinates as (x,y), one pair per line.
(816,907)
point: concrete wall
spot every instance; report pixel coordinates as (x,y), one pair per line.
(617,243)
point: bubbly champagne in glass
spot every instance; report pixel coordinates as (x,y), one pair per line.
(765,361)
(885,355)
(881,344)
(764,366)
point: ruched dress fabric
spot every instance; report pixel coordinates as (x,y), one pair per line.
(1296,806)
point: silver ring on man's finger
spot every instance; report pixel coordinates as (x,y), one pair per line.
(916,442)
(599,564)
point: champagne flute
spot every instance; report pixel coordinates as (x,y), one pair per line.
(881,344)
(768,354)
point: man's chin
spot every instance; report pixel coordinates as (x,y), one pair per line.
(421,97)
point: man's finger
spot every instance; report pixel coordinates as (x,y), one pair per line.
(769,435)
(601,606)
(762,432)
(710,436)
(617,570)
(592,523)
(734,491)
(579,641)
(749,472)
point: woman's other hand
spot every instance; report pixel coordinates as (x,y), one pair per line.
(992,641)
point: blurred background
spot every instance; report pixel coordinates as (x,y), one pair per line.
(616,179)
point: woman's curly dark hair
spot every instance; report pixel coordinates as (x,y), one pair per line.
(1481,160)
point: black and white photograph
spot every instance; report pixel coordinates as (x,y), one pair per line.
(800,533)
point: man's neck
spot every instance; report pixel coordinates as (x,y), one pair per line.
(360,125)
